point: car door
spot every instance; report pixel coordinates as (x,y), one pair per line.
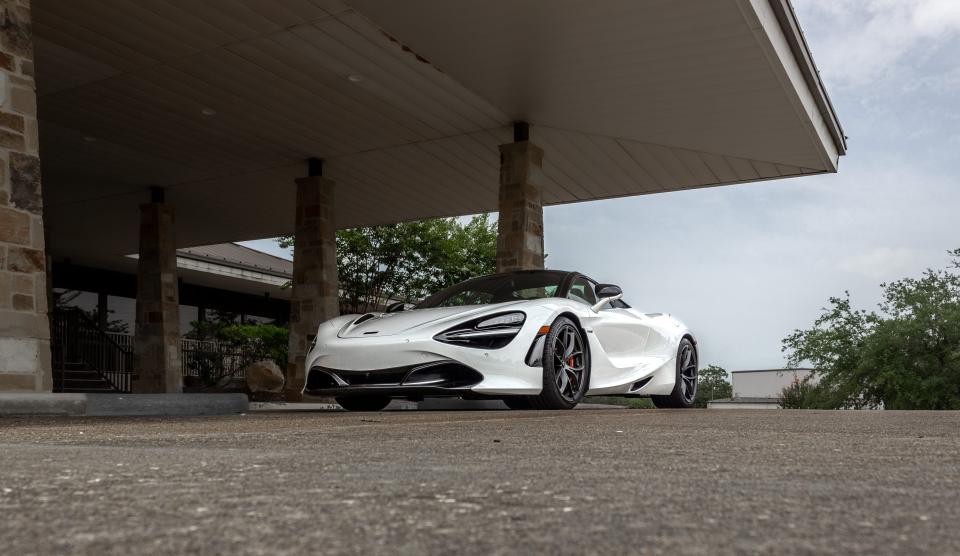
(622,332)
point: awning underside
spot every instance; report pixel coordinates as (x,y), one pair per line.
(406,102)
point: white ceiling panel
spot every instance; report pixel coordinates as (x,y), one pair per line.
(406,102)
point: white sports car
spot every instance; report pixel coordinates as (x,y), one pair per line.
(539,339)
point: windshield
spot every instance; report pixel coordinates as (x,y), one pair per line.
(498,288)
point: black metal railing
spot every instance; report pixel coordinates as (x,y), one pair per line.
(78,344)
(212,360)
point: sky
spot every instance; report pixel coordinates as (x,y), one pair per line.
(745,265)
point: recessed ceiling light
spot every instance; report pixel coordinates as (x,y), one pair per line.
(89,138)
(208,112)
(354,78)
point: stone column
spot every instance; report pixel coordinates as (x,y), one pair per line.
(156,346)
(314,297)
(520,224)
(24,327)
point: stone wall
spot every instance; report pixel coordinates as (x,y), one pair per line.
(520,223)
(24,328)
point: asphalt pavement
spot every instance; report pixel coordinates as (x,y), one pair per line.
(484,482)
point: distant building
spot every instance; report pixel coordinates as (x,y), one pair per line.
(760,389)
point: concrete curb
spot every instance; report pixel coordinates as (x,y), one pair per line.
(122,404)
(166,404)
(42,404)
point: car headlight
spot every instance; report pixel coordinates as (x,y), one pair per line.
(507,319)
(484,333)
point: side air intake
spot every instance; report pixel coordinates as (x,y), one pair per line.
(639,384)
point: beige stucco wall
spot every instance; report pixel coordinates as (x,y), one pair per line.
(765,384)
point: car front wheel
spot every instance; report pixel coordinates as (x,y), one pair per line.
(566,367)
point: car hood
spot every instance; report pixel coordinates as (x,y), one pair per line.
(377,325)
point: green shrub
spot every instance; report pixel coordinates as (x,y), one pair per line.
(260,341)
(803,394)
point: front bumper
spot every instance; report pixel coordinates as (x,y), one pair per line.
(437,378)
(502,371)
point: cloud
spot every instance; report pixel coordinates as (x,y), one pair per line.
(883,263)
(745,265)
(858,42)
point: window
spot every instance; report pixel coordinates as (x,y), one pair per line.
(582,290)
(498,288)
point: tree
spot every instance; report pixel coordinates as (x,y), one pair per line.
(904,356)
(409,260)
(804,394)
(834,347)
(712,384)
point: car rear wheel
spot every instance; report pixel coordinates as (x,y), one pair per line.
(566,367)
(363,403)
(685,389)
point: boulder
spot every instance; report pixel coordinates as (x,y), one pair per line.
(264,376)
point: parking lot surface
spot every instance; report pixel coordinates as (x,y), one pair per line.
(492,482)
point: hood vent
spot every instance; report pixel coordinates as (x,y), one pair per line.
(364,318)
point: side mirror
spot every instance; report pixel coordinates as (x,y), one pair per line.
(607,294)
(399,306)
(608,290)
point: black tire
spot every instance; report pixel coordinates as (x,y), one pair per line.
(363,403)
(517,403)
(685,389)
(566,376)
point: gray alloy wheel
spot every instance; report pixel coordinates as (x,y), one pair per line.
(685,390)
(569,362)
(566,367)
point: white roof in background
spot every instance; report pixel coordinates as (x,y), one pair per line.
(407,102)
